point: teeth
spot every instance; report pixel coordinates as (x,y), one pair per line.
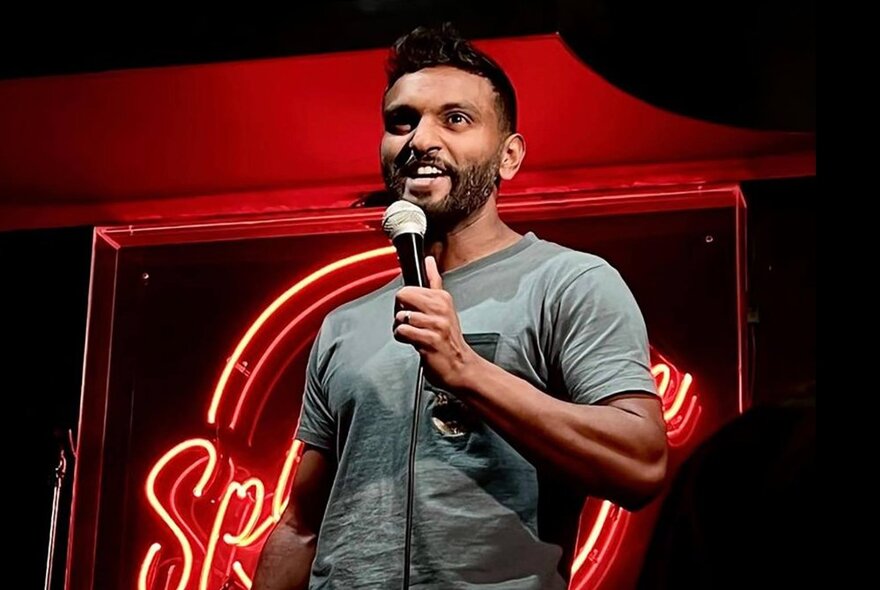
(428,170)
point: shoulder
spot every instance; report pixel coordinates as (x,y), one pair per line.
(348,315)
(561,267)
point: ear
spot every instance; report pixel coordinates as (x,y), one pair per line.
(512,154)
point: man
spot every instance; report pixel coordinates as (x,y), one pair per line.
(538,390)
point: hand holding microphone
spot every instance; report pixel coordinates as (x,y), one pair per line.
(425,314)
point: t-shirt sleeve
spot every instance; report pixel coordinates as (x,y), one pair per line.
(600,340)
(317,423)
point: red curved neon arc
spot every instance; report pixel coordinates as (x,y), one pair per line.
(290,326)
(272,308)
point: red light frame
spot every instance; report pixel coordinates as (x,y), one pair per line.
(603,528)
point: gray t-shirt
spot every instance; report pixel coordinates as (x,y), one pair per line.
(484,517)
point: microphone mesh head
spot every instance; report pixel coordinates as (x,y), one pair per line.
(403,217)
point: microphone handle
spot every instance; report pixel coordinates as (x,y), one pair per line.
(411,255)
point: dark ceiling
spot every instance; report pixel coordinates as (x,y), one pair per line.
(746,63)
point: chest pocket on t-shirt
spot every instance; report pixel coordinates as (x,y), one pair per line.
(451,417)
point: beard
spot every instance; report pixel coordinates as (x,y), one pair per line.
(471,187)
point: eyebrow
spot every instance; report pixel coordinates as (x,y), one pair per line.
(452,106)
(449,106)
(398,108)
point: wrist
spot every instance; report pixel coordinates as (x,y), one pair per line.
(471,374)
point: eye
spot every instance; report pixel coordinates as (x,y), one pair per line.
(457,119)
(399,123)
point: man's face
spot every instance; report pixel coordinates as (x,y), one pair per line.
(442,142)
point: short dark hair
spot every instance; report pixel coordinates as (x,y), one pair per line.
(428,47)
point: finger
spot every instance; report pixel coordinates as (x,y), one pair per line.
(402,316)
(409,298)
(424,321)
(433,301)
(422,339)
(435,281)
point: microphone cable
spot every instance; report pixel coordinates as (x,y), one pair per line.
(411,473)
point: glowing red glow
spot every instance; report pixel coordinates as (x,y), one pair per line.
(159,508)
(239,490)
(242,575)
(592,536)
(681,434)
(272,308)
(147,566)
(257,533)
(291,325)
(678,400)
(597,561)
(293,457)
(663,371)
(175,491)
(259,497)
(279,498)
(243,511)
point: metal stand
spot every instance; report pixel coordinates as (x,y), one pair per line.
(60,472)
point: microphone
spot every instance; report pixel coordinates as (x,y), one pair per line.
(405,224)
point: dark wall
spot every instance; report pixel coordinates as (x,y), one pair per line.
(782,265)
(46,283)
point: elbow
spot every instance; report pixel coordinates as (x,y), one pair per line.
(646,489)
(648,480)
(293,536)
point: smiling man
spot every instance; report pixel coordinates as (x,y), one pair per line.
(539,390)
(474,121)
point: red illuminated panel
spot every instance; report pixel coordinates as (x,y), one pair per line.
(218,513)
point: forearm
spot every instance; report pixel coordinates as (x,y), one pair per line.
(286,560)
(614,453)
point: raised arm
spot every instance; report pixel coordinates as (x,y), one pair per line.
(615,448)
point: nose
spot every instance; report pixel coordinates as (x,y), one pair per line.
(425,138)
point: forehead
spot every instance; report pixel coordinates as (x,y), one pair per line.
(435,87)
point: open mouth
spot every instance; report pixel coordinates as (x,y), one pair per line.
(424,178)
(425,172)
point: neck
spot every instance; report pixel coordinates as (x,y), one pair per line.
(482,233)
